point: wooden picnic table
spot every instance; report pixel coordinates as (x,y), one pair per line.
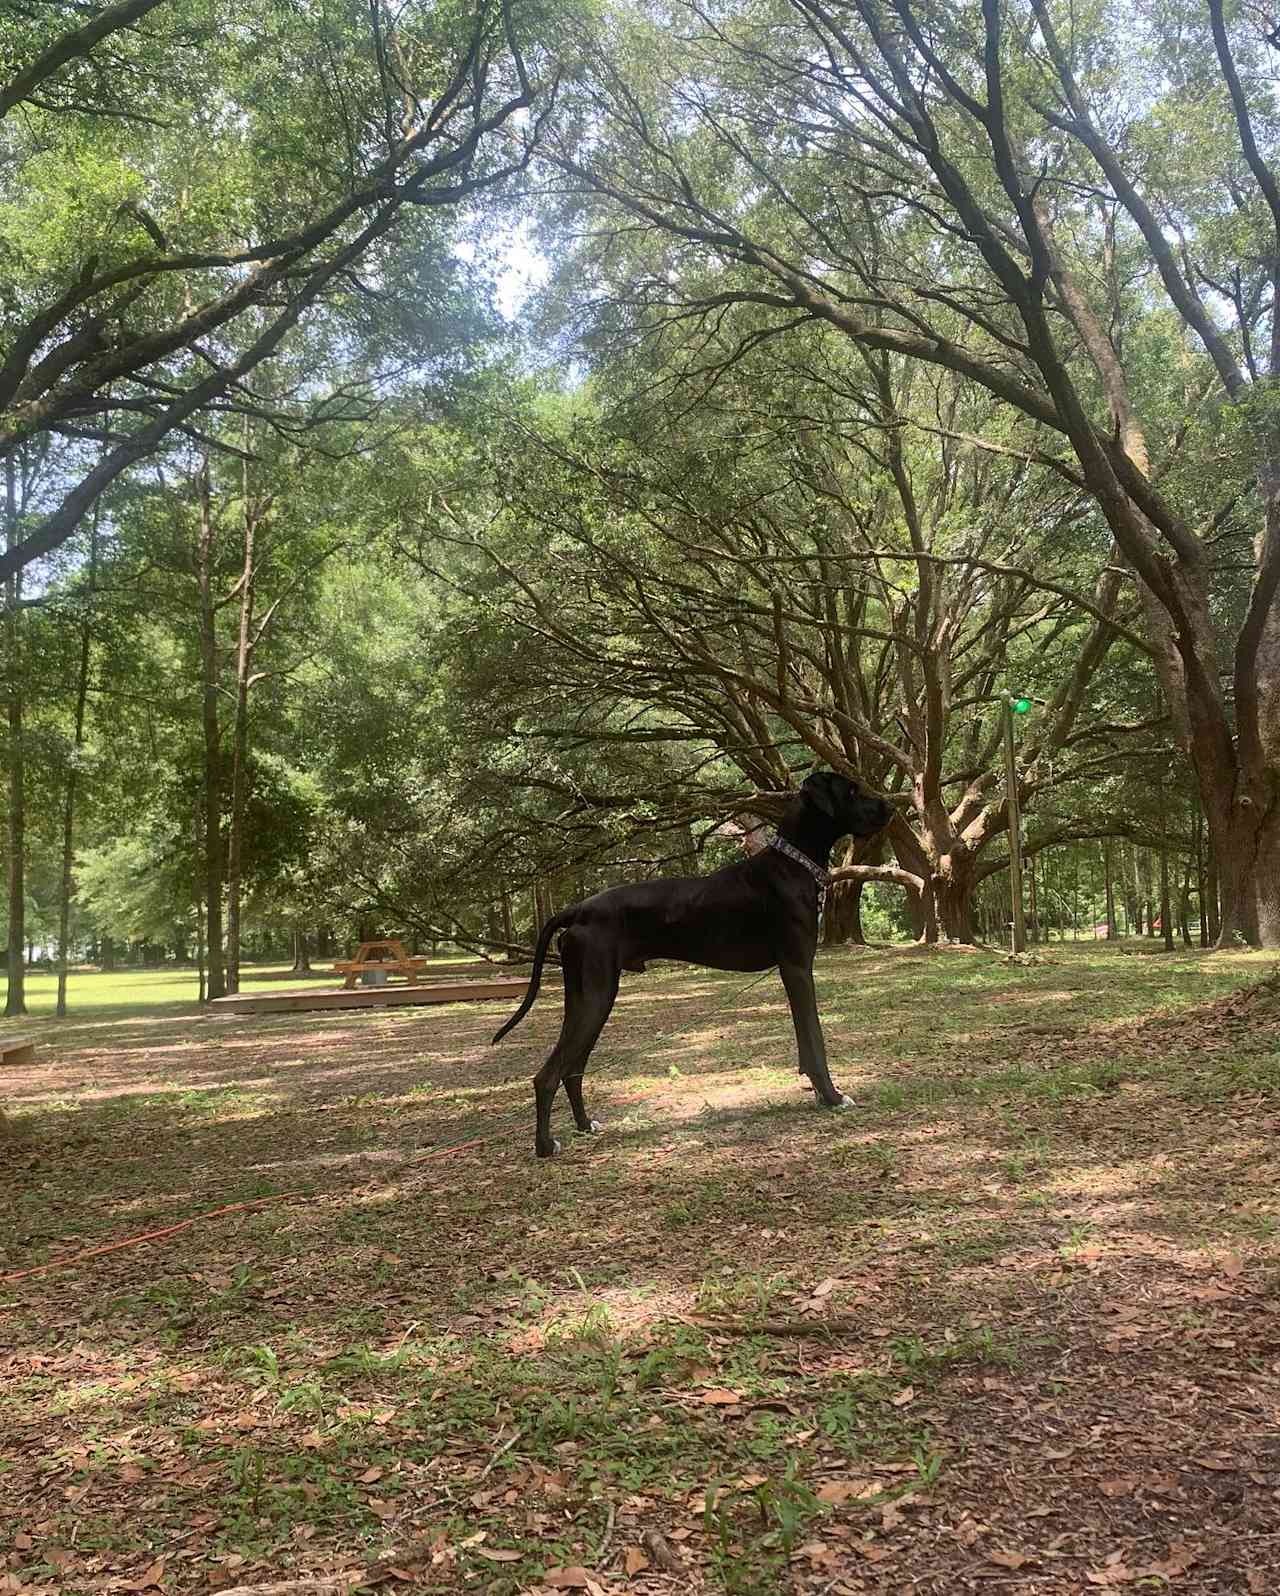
(387,955)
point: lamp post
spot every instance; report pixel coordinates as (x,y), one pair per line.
(1014,706)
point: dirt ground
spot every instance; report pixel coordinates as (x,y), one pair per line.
(1010,1324)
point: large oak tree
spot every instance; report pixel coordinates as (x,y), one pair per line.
(1076,210)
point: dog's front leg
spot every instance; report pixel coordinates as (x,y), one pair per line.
(798,980)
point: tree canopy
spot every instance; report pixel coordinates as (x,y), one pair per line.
(892,358)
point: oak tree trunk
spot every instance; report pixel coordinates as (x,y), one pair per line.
(842,922)
(953,888)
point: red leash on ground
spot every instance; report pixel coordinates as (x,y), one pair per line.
(213,1213)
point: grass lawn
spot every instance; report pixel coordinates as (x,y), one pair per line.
(1011,1324)
(100,992)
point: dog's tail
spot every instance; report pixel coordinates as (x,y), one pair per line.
(556,923)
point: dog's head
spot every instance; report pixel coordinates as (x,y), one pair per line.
(851,811)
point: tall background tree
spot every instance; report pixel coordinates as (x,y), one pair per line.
(1076,212)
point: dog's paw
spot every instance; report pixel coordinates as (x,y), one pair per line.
(554,1149)
(588,1130)
(845,1101)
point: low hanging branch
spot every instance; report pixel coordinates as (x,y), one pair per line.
(880,872)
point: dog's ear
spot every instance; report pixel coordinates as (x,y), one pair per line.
(818,788)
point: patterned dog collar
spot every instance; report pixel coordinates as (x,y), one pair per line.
(821,876)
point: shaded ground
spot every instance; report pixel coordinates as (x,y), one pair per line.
(1011,1324)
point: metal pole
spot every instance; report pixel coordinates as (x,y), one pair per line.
(1015,834)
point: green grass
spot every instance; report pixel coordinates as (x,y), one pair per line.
(133,991)
(127,991)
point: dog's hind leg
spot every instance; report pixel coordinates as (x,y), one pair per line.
(798,980)
(590,987)
(600,991)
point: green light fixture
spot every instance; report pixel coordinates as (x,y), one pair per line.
(1019,706)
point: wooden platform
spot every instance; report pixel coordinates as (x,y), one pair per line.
(436,970)
(22,1049)
(509,989)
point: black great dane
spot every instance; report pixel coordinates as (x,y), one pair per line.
(751,915)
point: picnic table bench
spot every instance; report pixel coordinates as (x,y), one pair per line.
(387,955)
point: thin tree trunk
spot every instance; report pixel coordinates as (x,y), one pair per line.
(73,776)
(1184,902)
(239,755)
(508,930)
(195,876)
(15,997)
(1211,894)
(1034,905)
(68,824)
(301,958)
(1109,889)
(213,847)
(1075,899)
(1166,911)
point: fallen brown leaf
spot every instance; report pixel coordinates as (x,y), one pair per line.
(838,1492)
(154,1576)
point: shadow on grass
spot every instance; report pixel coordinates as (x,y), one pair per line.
(1028,1246)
